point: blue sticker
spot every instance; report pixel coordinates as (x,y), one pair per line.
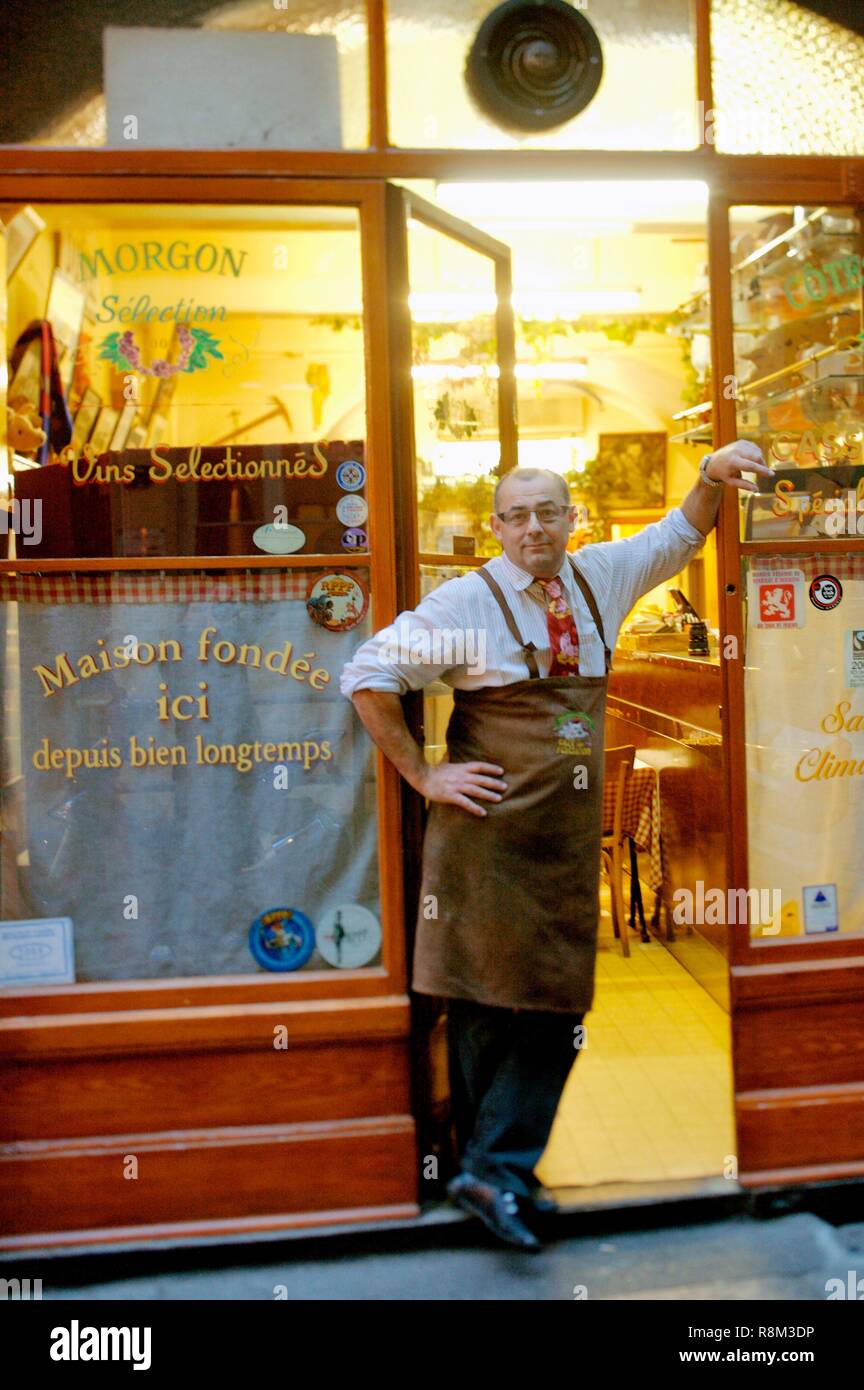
(282,939)
(355,539)
(351,475)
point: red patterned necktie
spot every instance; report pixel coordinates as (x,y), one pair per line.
(563,635)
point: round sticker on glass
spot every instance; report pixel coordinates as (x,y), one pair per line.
(279,540)
(337,601)
(349,936)
(355,539)
(825,592)
(352,511)
(351,475)
(282,939)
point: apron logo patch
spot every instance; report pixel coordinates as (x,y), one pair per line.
(574,731)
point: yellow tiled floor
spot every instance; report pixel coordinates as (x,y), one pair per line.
(650,1096)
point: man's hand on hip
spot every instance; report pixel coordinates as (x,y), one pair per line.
(456,783)
(382,714)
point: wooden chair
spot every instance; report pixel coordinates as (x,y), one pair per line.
(618,766)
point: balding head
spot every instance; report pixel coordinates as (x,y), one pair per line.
(529,475)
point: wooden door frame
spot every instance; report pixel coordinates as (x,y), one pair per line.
(402,204)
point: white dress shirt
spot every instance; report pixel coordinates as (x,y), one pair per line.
(457,633)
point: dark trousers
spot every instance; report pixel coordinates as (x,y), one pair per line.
(507,1071)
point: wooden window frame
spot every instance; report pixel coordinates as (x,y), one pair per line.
(368,197)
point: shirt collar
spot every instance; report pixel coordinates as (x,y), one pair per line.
(521,579)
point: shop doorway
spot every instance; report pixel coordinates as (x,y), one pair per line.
(611,368)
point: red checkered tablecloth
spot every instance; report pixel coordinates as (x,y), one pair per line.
(641,820)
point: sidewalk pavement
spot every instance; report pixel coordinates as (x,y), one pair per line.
(735,1258)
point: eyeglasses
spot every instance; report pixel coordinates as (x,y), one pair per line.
(518,516)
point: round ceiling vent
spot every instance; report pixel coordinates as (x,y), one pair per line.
(534,64)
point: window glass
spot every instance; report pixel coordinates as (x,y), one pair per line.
(183,783)
(185,792)
(799,367)
(257,74)
(455,379)
(208,385)
(804,691)
(785,80)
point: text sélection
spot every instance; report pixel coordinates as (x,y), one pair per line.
(284,937)
(804,700)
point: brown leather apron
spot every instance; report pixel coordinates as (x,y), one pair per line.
(509,904)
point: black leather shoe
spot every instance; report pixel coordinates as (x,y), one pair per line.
(539,1203)
(499,1211)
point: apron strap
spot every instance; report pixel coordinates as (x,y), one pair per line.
(528,648)
(589,598)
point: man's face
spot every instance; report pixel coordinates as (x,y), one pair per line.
(534,545)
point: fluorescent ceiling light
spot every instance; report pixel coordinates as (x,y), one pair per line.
(551,371)
(589,200)
(442,371)
(569,304)
(456,306)
(440,306)
(524,371)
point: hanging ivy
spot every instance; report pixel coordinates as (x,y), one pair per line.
(337,322)
(459,419)
(539,335)
(477,343)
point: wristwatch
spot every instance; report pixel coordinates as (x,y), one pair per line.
(703,474)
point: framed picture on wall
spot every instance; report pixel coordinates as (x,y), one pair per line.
(634,466)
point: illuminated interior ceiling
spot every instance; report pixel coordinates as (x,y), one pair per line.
(629,249)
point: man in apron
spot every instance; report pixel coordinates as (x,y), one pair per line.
(509,903)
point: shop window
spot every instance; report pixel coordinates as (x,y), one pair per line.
(799,367)
(182,780)
(185,791)
(646,98)
(799,379)
(211,363)
(786,81)
(319,87)
(804,692)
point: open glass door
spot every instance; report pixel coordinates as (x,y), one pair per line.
(457,406)
(454,399)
